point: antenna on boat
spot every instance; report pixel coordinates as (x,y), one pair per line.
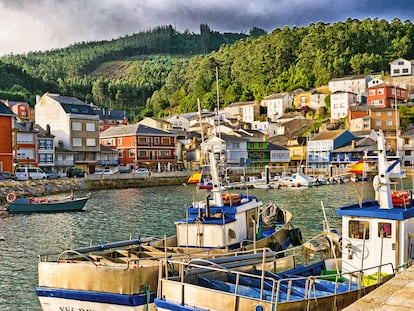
(329,236)
(218,102)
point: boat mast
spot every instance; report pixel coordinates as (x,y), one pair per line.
(382,181)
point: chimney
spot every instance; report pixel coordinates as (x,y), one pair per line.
(48,129)
(353,144)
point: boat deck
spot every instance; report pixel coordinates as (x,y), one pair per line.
(396,294)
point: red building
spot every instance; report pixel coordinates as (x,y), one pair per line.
(384,96)
(21,109)
(6,141)
(140,145)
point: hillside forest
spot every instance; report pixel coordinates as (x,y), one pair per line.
(161,71)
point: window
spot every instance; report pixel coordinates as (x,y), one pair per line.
(384,230)
(77,142)
(405,70)
(142,140)
(356,229)
(76,126)
(156,140)
(119,140)
(372,92)
(378,113)
(91,142)
(389,122)
(165,140)
(90,127)
(378,123)
(380,91)
(132,153)
(397,71)
(142,153)
(164,153)
(389,113)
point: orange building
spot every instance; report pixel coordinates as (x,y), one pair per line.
(384,96)
(140,145)
(6,141)
(21,109)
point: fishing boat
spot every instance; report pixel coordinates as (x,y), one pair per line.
(45,204)
(376,243)
(124,275)
(296,180)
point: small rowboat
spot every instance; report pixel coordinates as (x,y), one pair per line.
(45,205)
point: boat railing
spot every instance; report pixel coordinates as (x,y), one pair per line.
(272,283)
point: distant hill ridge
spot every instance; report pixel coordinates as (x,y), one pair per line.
(159,70)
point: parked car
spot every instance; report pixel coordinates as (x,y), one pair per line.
(75,172)
(141,170)
(29,173)
(52,175)
(105,171)
(7,175)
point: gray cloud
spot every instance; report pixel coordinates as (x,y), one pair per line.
(33,25)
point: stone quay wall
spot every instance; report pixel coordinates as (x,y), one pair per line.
(37,188)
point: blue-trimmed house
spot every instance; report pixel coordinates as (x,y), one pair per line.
(320,147)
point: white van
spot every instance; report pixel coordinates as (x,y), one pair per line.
(29,173)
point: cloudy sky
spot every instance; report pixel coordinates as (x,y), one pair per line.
(38,25)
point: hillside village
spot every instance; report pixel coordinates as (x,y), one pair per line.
(63,132)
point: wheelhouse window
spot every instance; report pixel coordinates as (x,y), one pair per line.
(356,229)
(384,230)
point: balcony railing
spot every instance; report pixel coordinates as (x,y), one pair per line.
(107,162)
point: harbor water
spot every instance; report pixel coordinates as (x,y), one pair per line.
(112,215)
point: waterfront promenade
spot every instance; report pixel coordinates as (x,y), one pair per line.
(396,294)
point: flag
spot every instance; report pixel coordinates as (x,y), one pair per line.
(195,178)
(357,168)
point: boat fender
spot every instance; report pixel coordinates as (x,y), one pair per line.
(11,197)
(275,246)
(295,237)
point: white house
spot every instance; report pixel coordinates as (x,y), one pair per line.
(401,67)
(354,84)
(317,100)
(276,105)
(245,111)
(74,125)
(340,102)
(266,127)
(236,150)
(278,155)
(375,82)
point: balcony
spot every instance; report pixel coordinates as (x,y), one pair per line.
(112,162)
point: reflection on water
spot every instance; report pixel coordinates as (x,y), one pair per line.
(112,215)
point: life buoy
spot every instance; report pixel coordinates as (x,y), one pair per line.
(11,197)
(295,236)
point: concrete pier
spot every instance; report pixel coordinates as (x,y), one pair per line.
(396,294)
